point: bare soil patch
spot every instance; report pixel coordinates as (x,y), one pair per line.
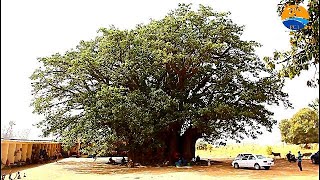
(85,168)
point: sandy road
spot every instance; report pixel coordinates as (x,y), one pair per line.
(86,169)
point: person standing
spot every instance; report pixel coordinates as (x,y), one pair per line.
(123,161)
(94,156)
(299,158)
(289,156)
(56,154)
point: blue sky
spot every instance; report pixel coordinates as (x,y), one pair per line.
(35,28)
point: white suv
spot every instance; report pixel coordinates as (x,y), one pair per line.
(252,160)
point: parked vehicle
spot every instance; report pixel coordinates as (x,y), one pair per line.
(252,161)
(315,158)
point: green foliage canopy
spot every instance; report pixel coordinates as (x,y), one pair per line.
(302,128)
(187,70)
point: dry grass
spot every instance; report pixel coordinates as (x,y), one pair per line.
(231,151)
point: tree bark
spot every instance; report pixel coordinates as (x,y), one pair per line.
(175,146)
(190,137)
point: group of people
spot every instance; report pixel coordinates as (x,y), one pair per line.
(292,158)
(123,161)
(182,162)
(196,160)
(43,156)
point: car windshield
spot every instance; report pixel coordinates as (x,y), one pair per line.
(260,157)
(242,155)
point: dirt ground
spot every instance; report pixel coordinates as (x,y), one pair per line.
(86,169)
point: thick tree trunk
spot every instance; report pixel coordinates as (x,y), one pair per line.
(180,146)
(189,140)
(131,158)
(175,146)
(187,151)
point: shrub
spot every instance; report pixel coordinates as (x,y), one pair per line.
(269,150)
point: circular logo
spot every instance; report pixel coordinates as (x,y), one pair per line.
(294,17)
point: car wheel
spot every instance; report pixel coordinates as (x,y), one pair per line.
(313,161)
(236,166)
(267,167)
(256,166)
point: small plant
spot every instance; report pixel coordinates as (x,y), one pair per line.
(269,150)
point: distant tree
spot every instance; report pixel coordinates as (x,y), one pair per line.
(304,51)
(202,145)
(302,128)
(315,105)
(22,133)
(7,131)
(269,150)
(210,147)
